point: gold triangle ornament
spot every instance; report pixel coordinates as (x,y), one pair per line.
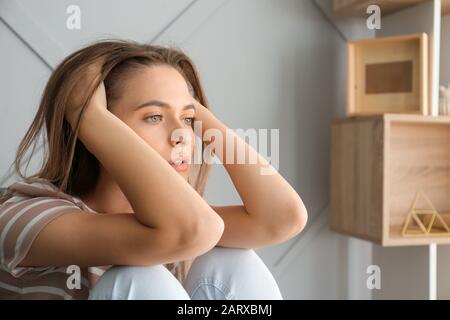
(424,221)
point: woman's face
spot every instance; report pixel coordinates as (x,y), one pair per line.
(156,103)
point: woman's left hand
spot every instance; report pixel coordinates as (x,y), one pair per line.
(207,118)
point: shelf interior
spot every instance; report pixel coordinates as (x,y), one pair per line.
(419,159)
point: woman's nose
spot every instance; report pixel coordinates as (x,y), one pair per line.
(177,140)
(179,136)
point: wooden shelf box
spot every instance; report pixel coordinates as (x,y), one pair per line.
(378,163)
(388,75)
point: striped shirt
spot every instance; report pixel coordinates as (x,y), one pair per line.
(26,207)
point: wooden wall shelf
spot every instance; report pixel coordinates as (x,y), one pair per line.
(378,163)
(357,8)
(388,75)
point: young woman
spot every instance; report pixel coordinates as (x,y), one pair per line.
(117,209)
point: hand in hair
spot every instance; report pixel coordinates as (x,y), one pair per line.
(86,85)
(204,115)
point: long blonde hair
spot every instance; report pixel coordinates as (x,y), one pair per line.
(67,163)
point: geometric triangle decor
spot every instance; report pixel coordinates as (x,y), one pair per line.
(425,221)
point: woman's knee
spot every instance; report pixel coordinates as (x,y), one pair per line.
(231,261)
(241,274)
(138,282)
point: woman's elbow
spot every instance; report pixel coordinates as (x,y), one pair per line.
(207,233)
(300,219)
(296,221)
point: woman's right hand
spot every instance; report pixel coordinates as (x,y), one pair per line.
(82,87)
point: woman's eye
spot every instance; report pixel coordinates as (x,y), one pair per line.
(154,118)
(189,121)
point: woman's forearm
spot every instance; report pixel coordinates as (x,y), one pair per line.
(160,197)
(270,199)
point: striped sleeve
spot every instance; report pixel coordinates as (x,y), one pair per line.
(21,220)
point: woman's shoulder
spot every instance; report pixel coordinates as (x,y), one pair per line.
(38,191)
(26,207)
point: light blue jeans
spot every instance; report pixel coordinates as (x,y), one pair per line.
(219,274)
